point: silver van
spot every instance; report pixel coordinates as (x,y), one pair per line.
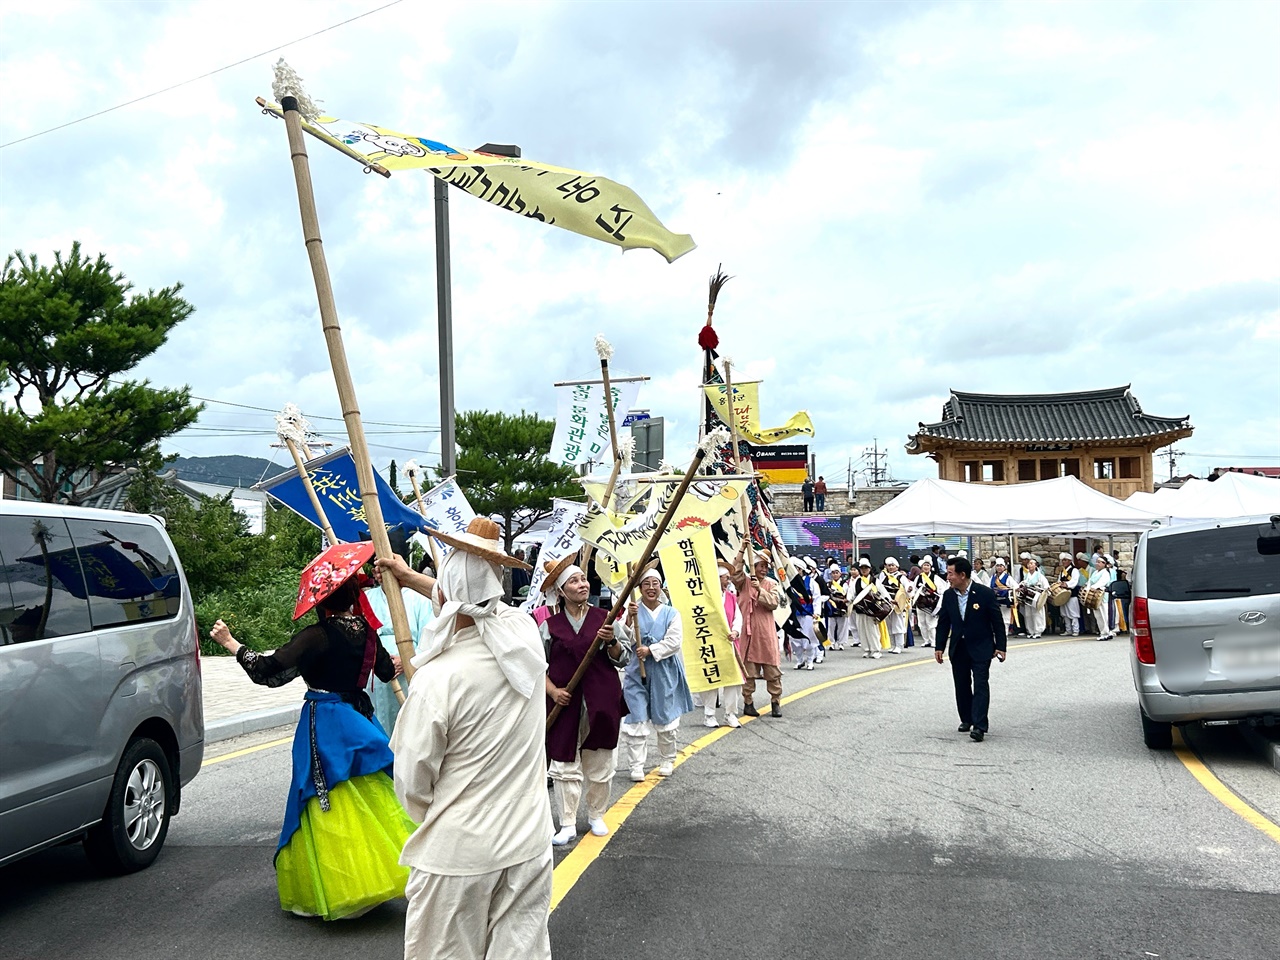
(101,719)
(1205,623)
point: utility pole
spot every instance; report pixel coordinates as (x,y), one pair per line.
(1171,454)
(874,455)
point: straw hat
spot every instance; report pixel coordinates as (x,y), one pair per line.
(483,538)
(554,568)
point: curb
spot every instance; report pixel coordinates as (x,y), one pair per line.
(1263,746)
(251,722)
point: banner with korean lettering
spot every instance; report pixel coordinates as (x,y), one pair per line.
(706,501)
(583,203)
(746,406)
(333,477)
(445,508)
(693,584)
(582,421)
(562,540)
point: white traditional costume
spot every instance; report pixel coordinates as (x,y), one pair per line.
(728,697)
(868,627)
(470,768)
(890,580)
(1033,615)
(927,613)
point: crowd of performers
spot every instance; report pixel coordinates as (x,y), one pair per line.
(452,810)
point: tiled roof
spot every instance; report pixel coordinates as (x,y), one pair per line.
(1092,415)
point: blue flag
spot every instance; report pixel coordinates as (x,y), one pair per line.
(106,572)
(334,479)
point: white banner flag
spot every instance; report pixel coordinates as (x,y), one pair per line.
(445,508)
(582,422)
(562,540)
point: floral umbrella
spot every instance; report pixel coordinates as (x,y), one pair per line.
(327,572)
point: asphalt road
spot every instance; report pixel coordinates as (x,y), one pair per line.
(859,825)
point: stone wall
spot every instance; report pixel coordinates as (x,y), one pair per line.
(1048,548)
(789,502)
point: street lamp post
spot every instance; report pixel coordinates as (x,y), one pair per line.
(444,312)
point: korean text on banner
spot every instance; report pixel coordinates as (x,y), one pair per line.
(694,587)
(583,203)
(582,421)
(445,508)
(562,540)
(333,478)
(746,406)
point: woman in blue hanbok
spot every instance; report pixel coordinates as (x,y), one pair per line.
(655,701)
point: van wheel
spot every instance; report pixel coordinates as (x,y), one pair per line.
(136,819)
(1156,735)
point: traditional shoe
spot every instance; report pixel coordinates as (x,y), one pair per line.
(710,722)
(775,709)
(564,835)
(964,728)
(666,768)
(800,663)
(976,735)
(750,710)
(637,774)
(598,827)
(731,720)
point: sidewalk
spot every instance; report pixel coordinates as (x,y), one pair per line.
(235,705)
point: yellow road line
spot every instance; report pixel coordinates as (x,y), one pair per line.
(1220,791)
(571,868)
(246,751)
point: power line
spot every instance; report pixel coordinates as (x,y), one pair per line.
(183,83)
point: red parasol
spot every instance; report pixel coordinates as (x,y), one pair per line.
(327,572)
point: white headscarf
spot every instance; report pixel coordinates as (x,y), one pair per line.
(474,589)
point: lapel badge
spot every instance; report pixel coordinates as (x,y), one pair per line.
(975,606)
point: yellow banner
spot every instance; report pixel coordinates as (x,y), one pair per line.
(746,408)
(584,203)
(693,585)
(706,501)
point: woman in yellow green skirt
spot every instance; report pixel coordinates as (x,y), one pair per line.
(344,829)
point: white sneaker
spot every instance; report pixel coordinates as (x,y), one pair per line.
(598,827)
(894,650)
(866,656)
(819,659)
(800,663)
(875,656)
(666,769)
(732,720)
(563,836)
(710,722)
(637,774)
(809,666)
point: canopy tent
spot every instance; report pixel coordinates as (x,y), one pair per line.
(1064,507)
(1231,495)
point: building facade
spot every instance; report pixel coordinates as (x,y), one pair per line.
(1102,437)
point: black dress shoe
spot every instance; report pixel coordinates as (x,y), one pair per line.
(963,728)
(775,710)
(976,735)
(749,710)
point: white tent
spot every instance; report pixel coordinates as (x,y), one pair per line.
(1231,495)
(1062,507)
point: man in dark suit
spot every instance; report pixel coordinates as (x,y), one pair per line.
(971,621)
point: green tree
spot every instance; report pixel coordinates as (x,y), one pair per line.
(65,332)
(503,466)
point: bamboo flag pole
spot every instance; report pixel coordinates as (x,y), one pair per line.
(744,509)
(288,94)
(291,429)
(604,350)
(411,468)
(715,438)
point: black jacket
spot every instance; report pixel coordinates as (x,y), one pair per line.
(980,634)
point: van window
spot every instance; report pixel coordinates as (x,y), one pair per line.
(129,572)
(42,591)
(1210,565)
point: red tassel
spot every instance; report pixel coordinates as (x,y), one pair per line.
(707,338)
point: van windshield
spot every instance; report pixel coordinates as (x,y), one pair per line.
(1210,564)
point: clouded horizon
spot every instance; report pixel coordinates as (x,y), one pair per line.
(911,197)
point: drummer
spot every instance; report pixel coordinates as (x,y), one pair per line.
(1069,577)
(891,581)
(1002,584)
(927,596)
(1031,603)
(1100,580)
(863,584)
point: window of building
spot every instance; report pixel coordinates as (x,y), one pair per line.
(1104,468)
(1026,470)
(44,595)
(1051,469)
(1071,467)
(970,470)
(1130,468)
(993,471)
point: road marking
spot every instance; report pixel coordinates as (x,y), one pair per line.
(590,847)
(1221,792)
(246,751)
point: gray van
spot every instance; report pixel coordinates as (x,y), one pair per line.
(101,718)
(1205,624)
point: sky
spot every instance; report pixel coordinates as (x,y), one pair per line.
(911,198)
